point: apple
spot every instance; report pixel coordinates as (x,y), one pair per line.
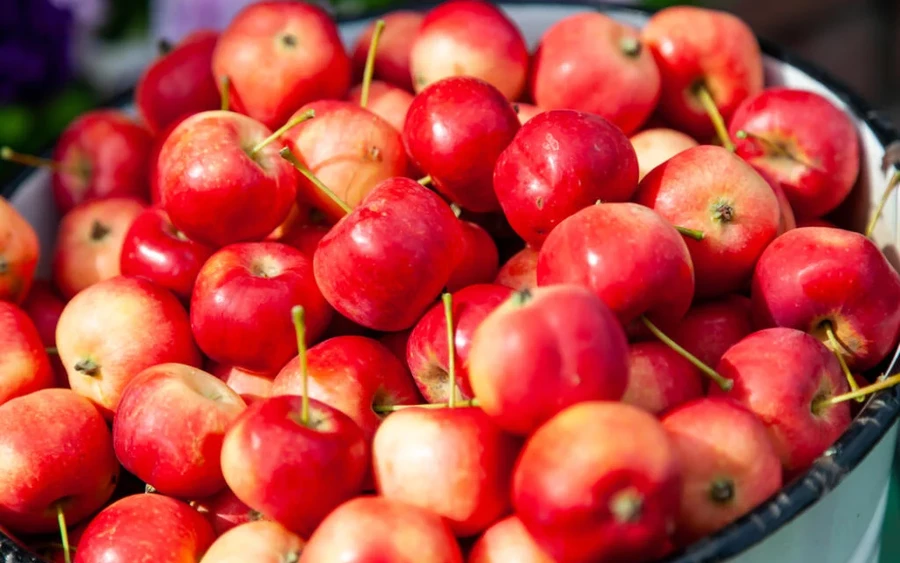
(576,350)
(252,387)
(600,481)
(294,470)
(115,329)
(89,243)
(455,130)
(394,47)
(24,364)
(657,145)
(153,161)
(818,278)
(526,111)
(278,56)
(708,189)
(507,540)
(480,260)
(304,237)
(155,250)
(372,528)
(225,511)
(52,550)
(260,542)
(19,253)
(470,38)
(396,342)
(815,222)
(248,286)
(580,56)
(562,161)
(520,271)
(145,527)
(44,306)
(385,263)
(388,102)
(221,182)
(169,427)
(728,464)
(710,328)
(788,219)
(58,455)
(659,378)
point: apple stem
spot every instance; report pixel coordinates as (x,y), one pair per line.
(10,155)
(52,350)
(706,100)
(299,316)
(225,92)
(891,186)
(64,533)
(309,114)
(384,409)
(862,392)
(723,382)
(164,46)
(630,46)
(693,233)
(370,64)
(425,181)
(837,349)
(774,147)
(307,173)
(451,348)
(457,210)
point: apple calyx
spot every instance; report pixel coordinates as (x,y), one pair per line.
(225,93)
(9,155)
(307,173)
(521,297)
(723,382)
(370,64)
(701,92)
(721,491)
(149,489)
(723,212)
(63,532)
(424,181)
(626,506)
(99,231)
(692,233)
(4,266)
(309,114)
(630,46)
(87,367)
(881,384)
(839,350)
(298,315)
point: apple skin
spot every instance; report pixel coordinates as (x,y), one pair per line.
(810,128)
(585,464)
(562,161)
(426,351)
(659,378)
(115,329)
(153,161)
(252,387)
(470,38)
(388,102)
(520,271)
(179,83)
(694,45)
(44,306)
(19,253)
(393,51)
(815,274)
(460,120)
(723,449)
(507,540)
(260,542)
(245,286)
(24,364)
(120,532)
(581,55)
(68,460)
(657,145)
(778,374)
(709,329)
(708,189)
(89,243)
(105,154)
(648,272)
(279,56)
(225,511)
(155,250)
(815,222)
(349,148)
(577,348)
(480,260)
(211,187)
(386,262)
(370,528)
(293,473)
(304,238)
(416,450)
(169,427)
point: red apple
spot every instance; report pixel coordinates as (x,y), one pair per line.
(814,277)
(657,145)
(480,260)
(710,190)
(279,56)
(158,142)
(24,365)
(155,250)
(369,529)
(526,111)
(394,47)
(44,307)
(562,161)
(247,286)
(709,329)
(507,540)
(304,238)
(659,378)
(788,219)
(698,47)
(115,329)
(57,451)
(470,38)
(89,243)
(455,130)
(169,428)
(225,511)
(782,375)
(520,271)
(19,253)
(145,527)
(728,464)
(600,481)
(385,263)
(294,471)
(260,542)
(252,387)
(388,102)
(803,141)
(576,348)
(179,83)
(580,56)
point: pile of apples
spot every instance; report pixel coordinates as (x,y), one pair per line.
(277,298)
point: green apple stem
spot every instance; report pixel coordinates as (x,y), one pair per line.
(63,533)
(447,298)
(837,349)
(891,186)
(862,392)
(723,382)
(10,155)
(225,92)
(693,233)
(706,100)
(426,181)
(384,409)
(370,64)
(774,147)
(309,114)
(299,316)
(307,173)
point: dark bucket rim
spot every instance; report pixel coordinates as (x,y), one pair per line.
(860,438)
